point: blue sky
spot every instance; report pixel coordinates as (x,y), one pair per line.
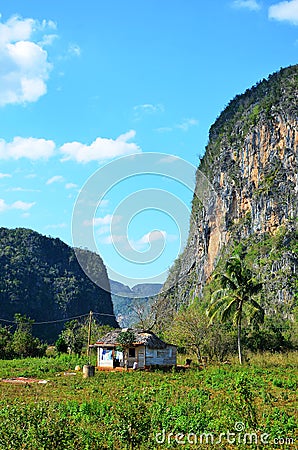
(84,83)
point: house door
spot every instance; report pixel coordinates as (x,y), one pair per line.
(141,358)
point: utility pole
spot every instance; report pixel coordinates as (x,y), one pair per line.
(89,333)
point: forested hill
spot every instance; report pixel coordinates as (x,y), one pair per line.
(251,163)
(40,277)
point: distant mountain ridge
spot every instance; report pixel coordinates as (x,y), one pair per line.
(41,277)
(124,299)
(139,290)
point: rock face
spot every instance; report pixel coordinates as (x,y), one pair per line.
(251,163)
(40,277)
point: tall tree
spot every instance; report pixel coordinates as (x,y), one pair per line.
(235,296)
(189,329)
(23,343)
(73,336)
(145,311)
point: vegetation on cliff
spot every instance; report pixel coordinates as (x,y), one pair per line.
(251,163)
(264,101)
(40,277)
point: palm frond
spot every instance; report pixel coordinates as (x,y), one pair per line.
(259,310)
(234,266)
(229,310)
(255,287)
(227,281)
(216,308)
(217,295)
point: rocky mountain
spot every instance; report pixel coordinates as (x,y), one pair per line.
(40,277)
(126,299)
(251,198)
(139,290)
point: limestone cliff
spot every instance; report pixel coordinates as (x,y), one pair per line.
(251,163)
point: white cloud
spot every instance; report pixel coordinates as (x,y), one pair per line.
(71,186)
(285,11)
(103,203)
(16,29)
(155,235)
(5,175)
(103,220)
(152,236)
(106,220)
(20,189)
(74,50)
(101,149)
(164,129)
(20,205)
(24,206)
(48,40)
(139,244)
(55,179)
(252,5)
(49,24)
(104,229)
(126,136)
(24,63)
(169,159)
(3,205)
(31,148)
(147,109)
(184,125)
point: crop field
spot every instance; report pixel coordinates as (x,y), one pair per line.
(222,406)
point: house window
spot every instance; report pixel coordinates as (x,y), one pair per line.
(106,355)
(132,352)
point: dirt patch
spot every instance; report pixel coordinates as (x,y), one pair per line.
(23,380)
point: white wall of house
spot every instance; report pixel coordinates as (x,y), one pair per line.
(144,356)
(163,357)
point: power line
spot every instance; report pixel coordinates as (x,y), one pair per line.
(59,320)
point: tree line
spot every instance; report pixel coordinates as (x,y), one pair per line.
(231,321)
(18,341)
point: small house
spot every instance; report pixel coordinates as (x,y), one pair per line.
(145,351)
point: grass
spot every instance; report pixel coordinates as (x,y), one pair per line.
(148,410)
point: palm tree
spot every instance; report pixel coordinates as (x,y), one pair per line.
(238,287)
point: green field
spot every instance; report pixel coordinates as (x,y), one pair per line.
(224,407)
